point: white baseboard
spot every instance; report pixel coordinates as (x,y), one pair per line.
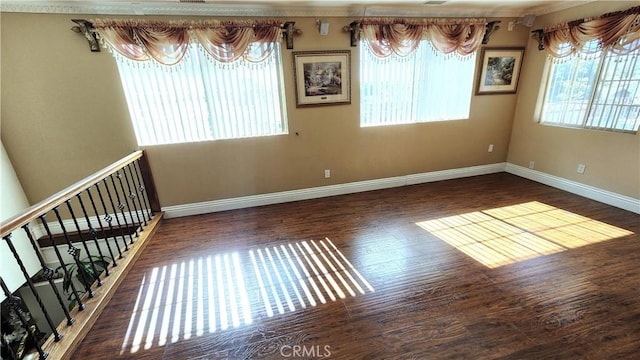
(55,227)
(324,191)
(607,197)
(51,258)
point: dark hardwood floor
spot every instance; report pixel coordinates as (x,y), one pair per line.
(486,267)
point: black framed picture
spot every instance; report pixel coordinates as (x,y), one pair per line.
(322,77)
(500,71)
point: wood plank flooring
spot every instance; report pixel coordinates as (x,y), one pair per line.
(488,267)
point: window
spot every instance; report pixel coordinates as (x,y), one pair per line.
(597,89)
(421,87)
(200,99)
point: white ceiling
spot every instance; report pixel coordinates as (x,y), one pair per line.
(351,8)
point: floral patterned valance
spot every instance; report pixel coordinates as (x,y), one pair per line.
(386,36)
(618,31)
(166,42)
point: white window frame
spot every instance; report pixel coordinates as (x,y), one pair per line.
(205,102)
(620,106)
(413,109)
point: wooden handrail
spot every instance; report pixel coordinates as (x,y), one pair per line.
(58,198)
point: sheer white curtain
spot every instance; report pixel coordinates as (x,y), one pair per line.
(200,100)
(423,86)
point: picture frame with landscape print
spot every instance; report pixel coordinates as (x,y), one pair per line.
(322,77)
(500,71)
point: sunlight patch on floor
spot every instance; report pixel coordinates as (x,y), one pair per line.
(509,234)
(220,291)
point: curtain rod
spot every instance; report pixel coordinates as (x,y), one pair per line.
(86,28)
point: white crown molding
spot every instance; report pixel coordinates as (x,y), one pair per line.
(610,198)
(267,10)
(324,191)
(185,9)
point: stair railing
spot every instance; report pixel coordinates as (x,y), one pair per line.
(109,216)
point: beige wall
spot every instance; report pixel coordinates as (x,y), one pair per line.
(612,159)
(64,115)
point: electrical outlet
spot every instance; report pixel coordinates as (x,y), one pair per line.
(490,148)
(581,168)
(532,164)
(327,173)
